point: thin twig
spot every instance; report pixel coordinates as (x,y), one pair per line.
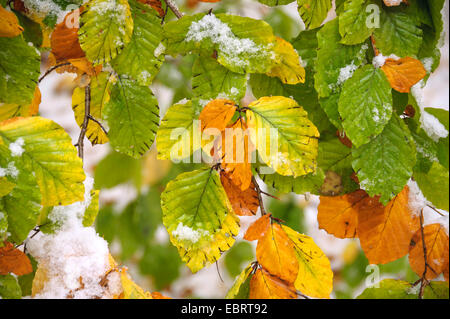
(87,111)
(259,192)
(218,272)
(98,122)
(423,280)
(52,69)
(174,8)
(435,209)
(270,195)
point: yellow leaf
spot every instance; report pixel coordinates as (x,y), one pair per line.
(287,63)
(315,277)
(285,138)
(131,290)
(9,24)
(403,73)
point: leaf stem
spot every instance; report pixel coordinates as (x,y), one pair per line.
(259,192)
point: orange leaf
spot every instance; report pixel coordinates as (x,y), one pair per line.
(13,260)
(266,286)
(338,215)
(258,228)
(275,252)
(403,73)
(235,151)
(83,65)
(244,203)
(155,4)
(385,231)
(64,41)
(436,244)
(34,107)
(217,114)
(157,295)
(10,26)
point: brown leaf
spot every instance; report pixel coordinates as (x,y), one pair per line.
(155,4)
(244,203)
(338,215)
(344,139)
(385,231)
(332,184)
(9,23)
(258,228)
(436,244)
(403,73)
(266,286)
(64,41)
(217,114)
(13,260)
(275,252)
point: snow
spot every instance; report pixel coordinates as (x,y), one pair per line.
(346,73)
(74,258)
(379,60)
(430,124)
(416,200)
(10,170)
(187,233)
(159,50)
(42,8)
(427,64)
(16,147)
(210,27)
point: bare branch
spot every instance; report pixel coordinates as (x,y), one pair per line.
(87,111)
(52,69)
(259,192)
(171,4)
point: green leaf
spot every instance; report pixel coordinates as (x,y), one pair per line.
(116,168)
(399,33)
(240,253)
(306,45)
(175,138)
(353,21)
(49,153)
(19,70)
(92,210)
(161,261)
(302,184)
(283,24)
(32,30)
(106,27)
(26,281)
(133,117)
(100,95)
(242,44)
(434,185)
(143,56)
(241,286)
(313,12)
(385,164)
(365,104)
(398,289)
(274,3)
(199,218)
(336,157)
(9,287)
(210,80)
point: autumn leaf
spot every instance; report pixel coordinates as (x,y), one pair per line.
(275,252)
(12,260)
(266,286)
(157,295)
(338,215)
(64,41)
(259,228)
(244,203)
(403,73)
(217,114)
(436,244)
(385,231)
(235,151)
(155,4)
(286,63)
(10,25)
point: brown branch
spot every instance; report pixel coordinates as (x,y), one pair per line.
(423,280)
(52,69)
(174,8)
(93,119)
(259,192)
(87,111)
